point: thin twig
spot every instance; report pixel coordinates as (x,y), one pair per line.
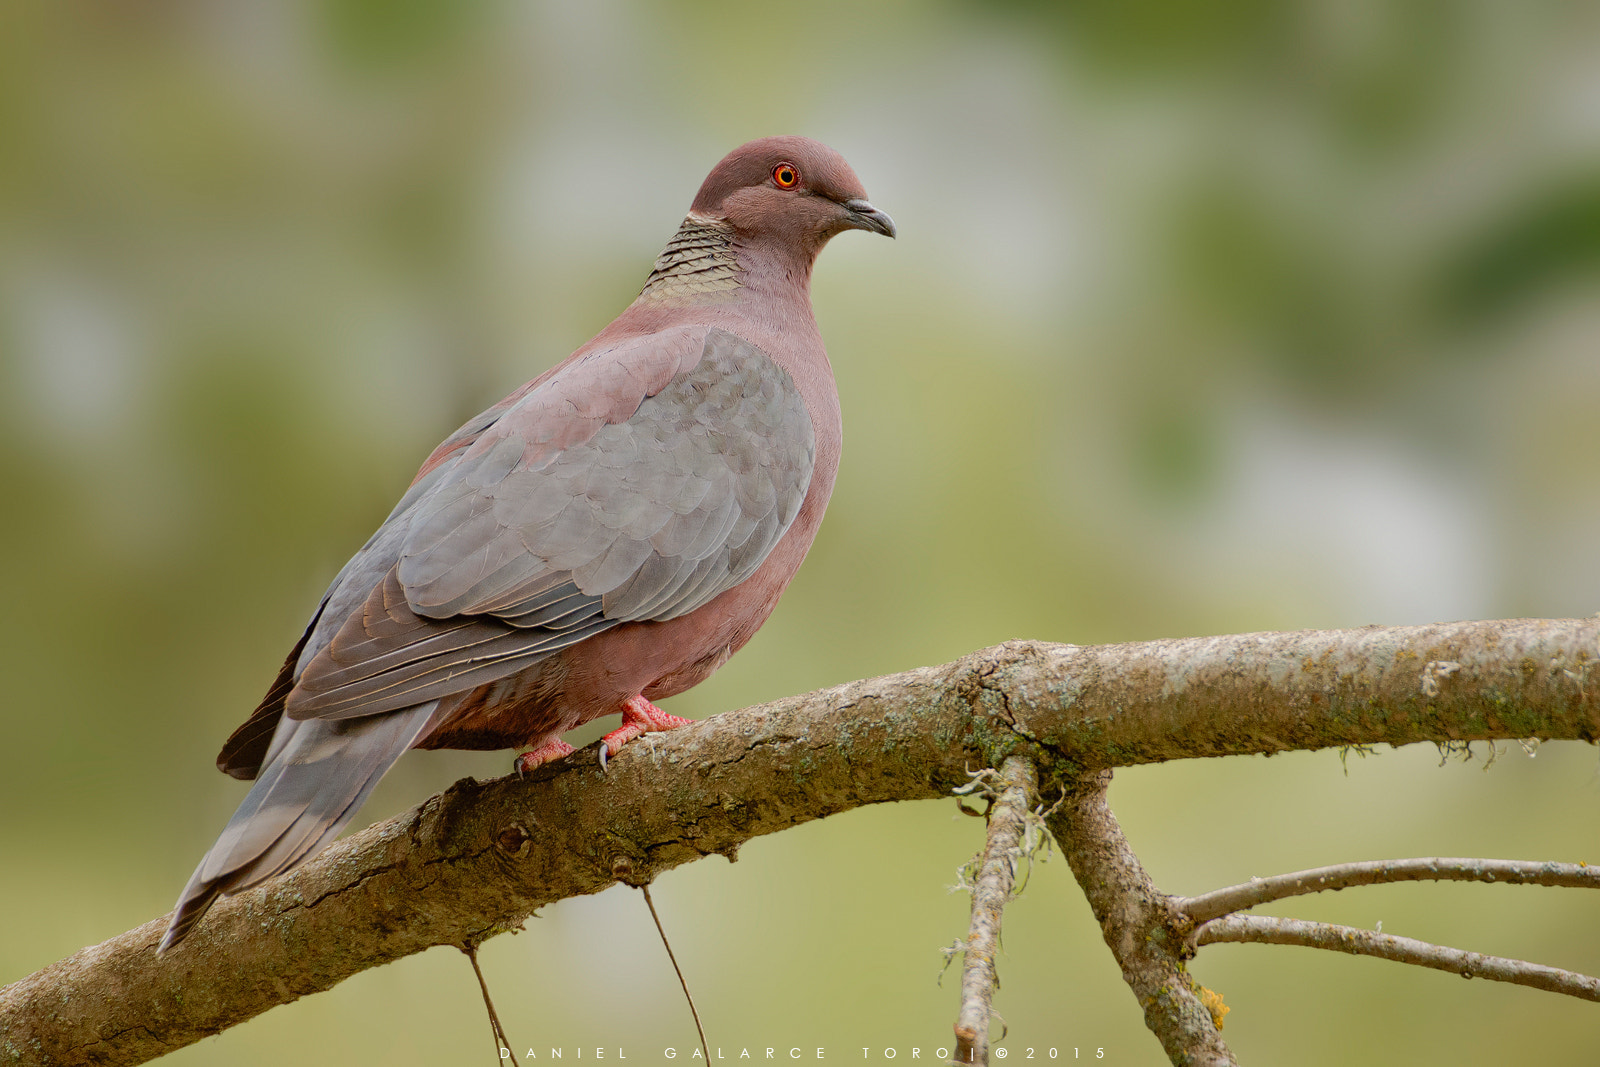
(1264,929)
(1142,930)
(501,1041)
(997,872)
(1220,902)
(704,1047)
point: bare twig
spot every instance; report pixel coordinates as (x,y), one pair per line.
(701,1030)
(1219,902)
(1273,931)
(1140,927)
(997,872)
(464,866)
(502,1043)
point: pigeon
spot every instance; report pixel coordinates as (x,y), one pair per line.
(603,538)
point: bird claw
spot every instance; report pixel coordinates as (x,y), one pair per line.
(639,717)
(538,757)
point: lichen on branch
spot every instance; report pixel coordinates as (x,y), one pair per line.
(482,857)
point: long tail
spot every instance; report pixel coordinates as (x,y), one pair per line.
(315,778)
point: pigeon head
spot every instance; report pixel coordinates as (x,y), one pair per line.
(791,190)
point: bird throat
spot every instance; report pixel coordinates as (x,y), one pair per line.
(697,266)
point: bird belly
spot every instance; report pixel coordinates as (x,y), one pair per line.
(522,711)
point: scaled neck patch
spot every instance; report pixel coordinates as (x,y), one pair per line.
(699,260)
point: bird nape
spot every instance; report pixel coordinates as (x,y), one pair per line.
(604,537)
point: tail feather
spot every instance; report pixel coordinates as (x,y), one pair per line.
(317,776)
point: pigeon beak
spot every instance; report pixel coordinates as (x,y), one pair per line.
(863,216)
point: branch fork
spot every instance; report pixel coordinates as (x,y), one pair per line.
(482,857)
(1215,921)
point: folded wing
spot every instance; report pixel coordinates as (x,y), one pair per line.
(635,485)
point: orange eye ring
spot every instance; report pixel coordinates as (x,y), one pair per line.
(785,176)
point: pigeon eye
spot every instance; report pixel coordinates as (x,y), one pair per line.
(785,176)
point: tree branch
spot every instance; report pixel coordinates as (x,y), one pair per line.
(480,858)
(1268,930)
(1141,928)
(991,889)
(1234,898)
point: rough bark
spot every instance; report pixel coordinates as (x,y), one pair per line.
(996,872)
(481,857)
(1145,933)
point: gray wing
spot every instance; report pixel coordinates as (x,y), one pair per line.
(314,779)
(540,536)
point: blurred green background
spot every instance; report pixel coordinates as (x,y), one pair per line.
(1203,318)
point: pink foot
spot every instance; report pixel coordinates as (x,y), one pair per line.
(545,753)
(639,716)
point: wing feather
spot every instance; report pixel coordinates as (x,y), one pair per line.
(636,484)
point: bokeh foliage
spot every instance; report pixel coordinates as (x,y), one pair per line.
(1204,318)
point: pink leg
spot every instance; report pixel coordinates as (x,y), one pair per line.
(545,753)
(639,716)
